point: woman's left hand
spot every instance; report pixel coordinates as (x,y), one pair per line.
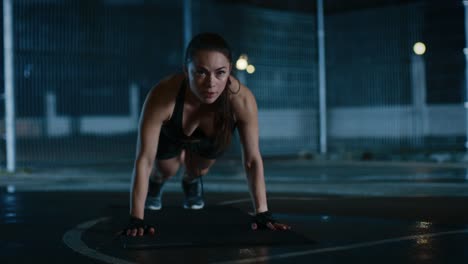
(265,220)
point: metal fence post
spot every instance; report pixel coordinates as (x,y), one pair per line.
(322,77)
(9,95)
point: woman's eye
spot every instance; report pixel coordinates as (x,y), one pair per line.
(221,73)
(200,72)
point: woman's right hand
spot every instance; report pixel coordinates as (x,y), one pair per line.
(138,227)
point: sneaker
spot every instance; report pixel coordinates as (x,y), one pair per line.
(193,194)
(153,199)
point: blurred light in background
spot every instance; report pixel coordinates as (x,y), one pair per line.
(242,62)
(419,48)
(250,69)
(84,68)
(11,189)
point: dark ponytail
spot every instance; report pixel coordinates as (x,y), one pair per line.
(224,118)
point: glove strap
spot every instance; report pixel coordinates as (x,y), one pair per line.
(263,218)
(136,223)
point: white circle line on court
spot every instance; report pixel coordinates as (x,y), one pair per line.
(72,239)
(329,249)
(341,248)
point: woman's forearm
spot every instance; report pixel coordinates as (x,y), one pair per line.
(256,181)
(139,190)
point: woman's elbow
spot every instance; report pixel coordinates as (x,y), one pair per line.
(252,162)
(143,164)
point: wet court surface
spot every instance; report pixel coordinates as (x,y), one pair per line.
(70,227)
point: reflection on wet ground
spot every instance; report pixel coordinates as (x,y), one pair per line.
(346,229)
(356,214)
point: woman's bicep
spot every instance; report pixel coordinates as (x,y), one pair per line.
(148,140)
(248,128)
(248,133)
(152,117)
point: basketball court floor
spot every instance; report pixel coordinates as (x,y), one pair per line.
(339,213)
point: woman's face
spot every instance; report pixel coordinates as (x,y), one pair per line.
(208,73)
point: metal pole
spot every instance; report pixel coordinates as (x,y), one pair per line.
(187,24)
(9,85)
(465,50)
(420,114)
(322,78)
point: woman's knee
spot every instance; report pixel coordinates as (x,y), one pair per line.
(200,171)
(199,167)
(168,168)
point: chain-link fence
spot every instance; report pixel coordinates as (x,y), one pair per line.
(385,98)
(84,67)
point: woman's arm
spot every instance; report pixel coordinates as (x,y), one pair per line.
(245,109)
(147,144)
(156,110)
(246,113)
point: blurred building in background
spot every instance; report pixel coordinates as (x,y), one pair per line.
(84,67)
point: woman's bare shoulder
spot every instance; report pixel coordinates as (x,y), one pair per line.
(161,99)
(240,94)
(243,102)
(168,85)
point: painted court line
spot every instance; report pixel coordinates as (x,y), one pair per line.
(72,239)
(341,248)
